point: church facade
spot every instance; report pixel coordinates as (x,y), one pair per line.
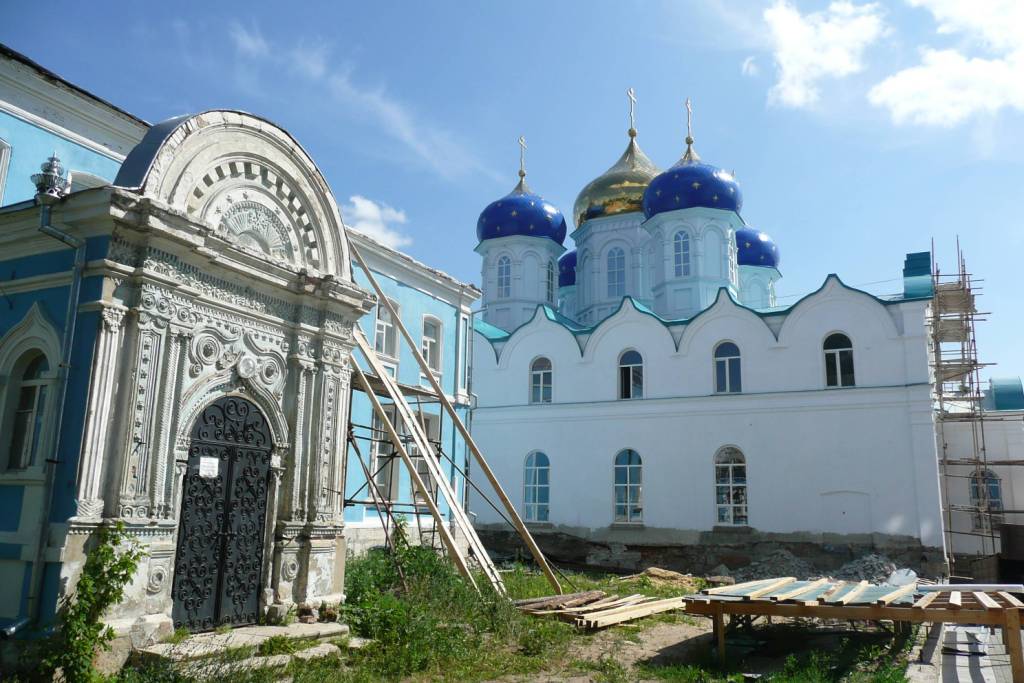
(649,401)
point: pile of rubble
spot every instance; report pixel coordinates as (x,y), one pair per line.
(666,578)
(874,568)
(779,562)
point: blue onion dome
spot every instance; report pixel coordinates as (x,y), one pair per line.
(756,248)
(521,212)
(620,189)
(692,183)
(567,269)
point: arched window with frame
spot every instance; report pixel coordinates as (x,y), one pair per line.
(504,277)
(681,251)
(631,375)
(628,487)
(728,372)
(431,344)
(541,376)
(536,487)
(987,495)
(616,272)
(385,337)
(730,487)
(26,408)
(838,361)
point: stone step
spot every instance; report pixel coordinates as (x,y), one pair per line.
(212,669)
(205,645)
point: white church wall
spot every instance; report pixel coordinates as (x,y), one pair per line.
(821,461)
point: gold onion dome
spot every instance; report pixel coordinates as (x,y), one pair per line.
(620,189)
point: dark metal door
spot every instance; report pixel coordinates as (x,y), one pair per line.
(223,515)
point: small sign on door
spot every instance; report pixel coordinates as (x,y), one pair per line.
(209,468)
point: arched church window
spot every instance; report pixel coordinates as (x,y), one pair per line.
(616,273)
(536,487)
(730,487)
(987,498)
(631,375)
(551,289)
(26,399)
(541,376)
(681,249)
(727,369)
(628,487)
(385,337)
(504,277)
(838,361)
(431,345)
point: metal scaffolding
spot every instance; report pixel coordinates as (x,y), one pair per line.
(959,398)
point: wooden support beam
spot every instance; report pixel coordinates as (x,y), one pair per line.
(1011,636)
(900,592)
(513,513)
(1010,599)
(986,601)
(926,599)
(954,600)
(848,612)
(793,592)
(733,588)
(852,594)
(769,588)
(719,629)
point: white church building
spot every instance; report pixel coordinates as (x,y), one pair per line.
(646,401)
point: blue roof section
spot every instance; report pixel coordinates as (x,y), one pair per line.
(1007,393)
(917,275)
(491,333)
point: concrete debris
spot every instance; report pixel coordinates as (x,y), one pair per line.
(874,568)
(779,562)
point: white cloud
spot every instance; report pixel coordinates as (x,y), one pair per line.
(377,220)
(750,67)
(430,144)
(950,86)
(248,41)
(947,88)
(811,47)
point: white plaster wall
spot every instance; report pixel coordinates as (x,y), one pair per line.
(812,453)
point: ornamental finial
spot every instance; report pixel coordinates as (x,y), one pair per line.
(631,94)
(51,182)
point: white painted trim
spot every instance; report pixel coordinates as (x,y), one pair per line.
(5,161)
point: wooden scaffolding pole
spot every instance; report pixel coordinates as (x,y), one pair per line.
(446,536)
(513,514)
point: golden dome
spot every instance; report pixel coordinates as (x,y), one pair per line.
(620,189)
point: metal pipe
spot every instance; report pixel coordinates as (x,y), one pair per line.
(9,631)
(46,202)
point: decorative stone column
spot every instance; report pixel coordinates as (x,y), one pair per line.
(102,395)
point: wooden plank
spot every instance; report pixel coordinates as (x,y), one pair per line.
(926,599)
(638,605)
(719,629)
(848,612)
(852,594)
(647,610)
(954,600)
(986,601)
(729,590)
(414,346)
(548,598)
(792,593)
(900,592)
(1010,599)
(439,521)
(1011,636)
(831,593)
(559,601)
(770,588)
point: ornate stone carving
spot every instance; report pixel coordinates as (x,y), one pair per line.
(157,578)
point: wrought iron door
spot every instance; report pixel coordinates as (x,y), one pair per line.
(223,516)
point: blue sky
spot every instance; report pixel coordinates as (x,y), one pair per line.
(859,131)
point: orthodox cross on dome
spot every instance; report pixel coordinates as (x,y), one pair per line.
(522,156)
(691,155)
(631,94)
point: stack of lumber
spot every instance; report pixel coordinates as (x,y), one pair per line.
(596,609)
(817,592)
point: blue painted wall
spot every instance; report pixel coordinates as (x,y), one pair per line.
(32,145)
(413,306)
